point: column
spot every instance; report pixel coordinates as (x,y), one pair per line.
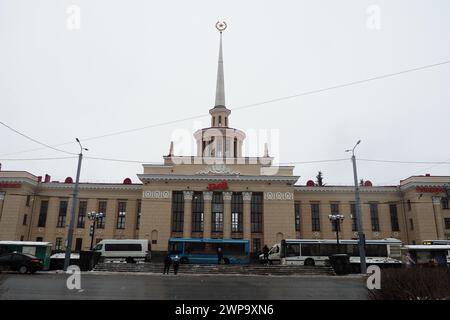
(227,214)
(247,197)
(207,197)
(187,227)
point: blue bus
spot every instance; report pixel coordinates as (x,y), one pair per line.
(204,250)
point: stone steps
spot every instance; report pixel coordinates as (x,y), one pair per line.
(216,269)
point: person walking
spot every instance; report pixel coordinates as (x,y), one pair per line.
(176,264)
(219,255)
(266,254)
(167,262)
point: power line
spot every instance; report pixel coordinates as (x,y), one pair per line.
(306,93)
(33,159)
(34,140)
(406,162)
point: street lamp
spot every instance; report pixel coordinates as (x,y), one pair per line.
(336,220)
(361,236)
(94,217)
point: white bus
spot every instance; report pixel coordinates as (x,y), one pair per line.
(441,243)
(130,250)
(311,252)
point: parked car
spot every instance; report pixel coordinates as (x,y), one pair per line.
(20,262)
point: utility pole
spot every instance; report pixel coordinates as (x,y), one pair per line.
(72,211)
(361,236)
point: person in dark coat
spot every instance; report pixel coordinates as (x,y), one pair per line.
(167,263)
(219,255)
(266,253)
(176,264)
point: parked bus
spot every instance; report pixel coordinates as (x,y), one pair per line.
(129,249)
(41,250)
(439,242)
(428,255)
(204,251)
(311,252)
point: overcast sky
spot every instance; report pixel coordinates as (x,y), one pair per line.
(131,64)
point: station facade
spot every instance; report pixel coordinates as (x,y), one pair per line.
(219,193)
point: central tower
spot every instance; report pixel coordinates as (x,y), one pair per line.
(219,140)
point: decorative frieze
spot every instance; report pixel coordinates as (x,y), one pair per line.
(278,195)
(218,169)
(156,194)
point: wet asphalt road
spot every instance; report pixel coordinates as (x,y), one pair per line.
(182,287)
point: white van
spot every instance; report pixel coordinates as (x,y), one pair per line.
(129,249)
(274,255)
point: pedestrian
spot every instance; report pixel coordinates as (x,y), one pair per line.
(167,262)
(266,253)
(176,264)
(219,255)
(409,261)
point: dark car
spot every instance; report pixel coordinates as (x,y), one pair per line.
(20,262)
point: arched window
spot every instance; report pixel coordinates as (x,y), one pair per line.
(220,121)
(213,121)
(226,121)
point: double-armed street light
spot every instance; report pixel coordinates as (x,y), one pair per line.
(94,217)
(336,220)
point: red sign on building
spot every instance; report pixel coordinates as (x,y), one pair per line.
(10,185)
(218,186)
(430,189)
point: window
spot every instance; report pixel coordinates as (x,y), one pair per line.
(39,239)
(256,212)
(62,214)
(58,244)
(292,250)
(353,216)
(226,121)
(217,212)
(408,205)
(21,238)
(235,144)
(123,247)
(101,209)
(121,213)
(214,121)
(257,245)
(43,214)
(28,200)
(394,217)
(447,223)
(411,224)
(236,212)
(197,212)
(315,218)
(444,203)
(138,214)
(78,244)
(177,211)
(334,208)
(297,216)
(374,216)
(220,121)
(24,221)
(82,208)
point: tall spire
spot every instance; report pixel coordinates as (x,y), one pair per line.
(220,86)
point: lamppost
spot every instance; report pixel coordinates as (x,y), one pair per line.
(361,236)
(94,217)
(336,220)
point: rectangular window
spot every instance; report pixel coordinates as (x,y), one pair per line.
(58,244)
(394,217)
(78,244)
(297,215)
(408,205)
(315,217)
(24,221)
(411,224)
(334,208)
(177,211)
(353,216)
(101,209)
(236,212)
(28,200)
(62,214)
(197,212)
(444,203)
(256,245)
(43,214)
(374,216)
(138,214)
(82,208)
(217,212)
(39,239)
(121,215)
(447,223)
(256,212)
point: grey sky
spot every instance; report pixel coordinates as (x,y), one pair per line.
(137,63)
